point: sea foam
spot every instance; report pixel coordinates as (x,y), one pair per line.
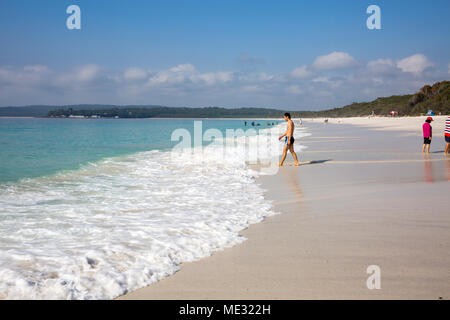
(124,222)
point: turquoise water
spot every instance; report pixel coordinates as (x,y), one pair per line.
(33,147)
(94,208)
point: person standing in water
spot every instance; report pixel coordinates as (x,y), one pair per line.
(427,134)
(288,140)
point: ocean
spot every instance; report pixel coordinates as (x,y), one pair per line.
(94,208)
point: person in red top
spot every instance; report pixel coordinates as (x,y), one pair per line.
(427,134)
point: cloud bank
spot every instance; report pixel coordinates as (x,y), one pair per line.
(331,80)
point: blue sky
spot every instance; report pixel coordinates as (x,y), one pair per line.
(284,54)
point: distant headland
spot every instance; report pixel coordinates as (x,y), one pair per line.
(434,97)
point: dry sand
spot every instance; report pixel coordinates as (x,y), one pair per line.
(410,125)
(361,197)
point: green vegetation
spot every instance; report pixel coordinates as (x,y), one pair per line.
(42,110)
(166,112)
(435,97)
(380,106)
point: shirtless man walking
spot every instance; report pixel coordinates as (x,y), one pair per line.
(288,140)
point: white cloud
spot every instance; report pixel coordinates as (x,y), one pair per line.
(174,75)
(381,66)
(265,77)
(183,84)
(414,64)
(294,89)
(80,76)
(183,68)
(334,60)
(36,68)
(27,76)
(321,79)
(212,78)
(187,73)
(133,74)
(87,73)
(333,83)
(159,78)
(301,72)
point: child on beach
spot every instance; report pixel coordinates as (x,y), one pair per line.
(427,134)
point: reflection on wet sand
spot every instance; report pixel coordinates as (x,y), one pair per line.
(447,167)
(428,169)
(293,181)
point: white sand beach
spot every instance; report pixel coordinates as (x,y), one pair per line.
(410,125)
(364,195)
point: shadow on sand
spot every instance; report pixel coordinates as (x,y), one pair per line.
(315,162)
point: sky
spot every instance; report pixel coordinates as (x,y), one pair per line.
(293,55)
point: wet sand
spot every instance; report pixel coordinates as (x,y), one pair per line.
(361,197)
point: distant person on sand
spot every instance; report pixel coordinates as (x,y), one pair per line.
(288,140)
(447,135)
(427,134)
